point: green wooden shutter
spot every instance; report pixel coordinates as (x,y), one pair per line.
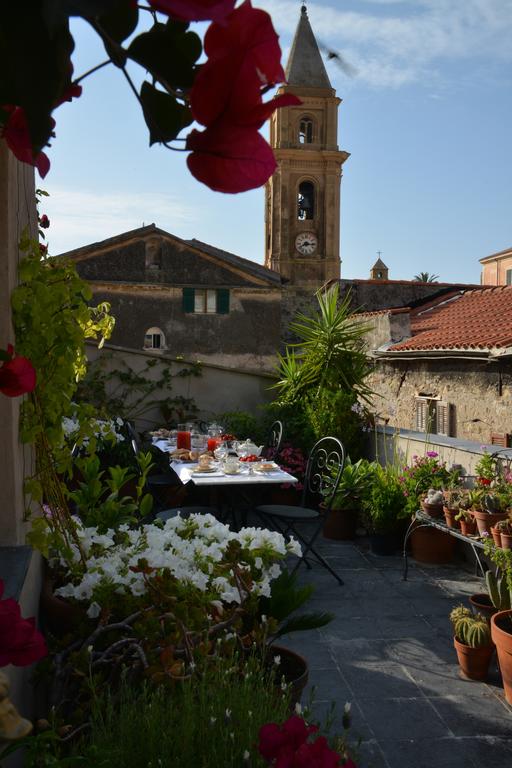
(223,301)
(188,299)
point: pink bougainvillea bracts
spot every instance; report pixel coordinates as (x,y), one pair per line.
(16,134)
(194,10)
(244,59)
(17,374)
(289,746)
(44,221)
(20,642)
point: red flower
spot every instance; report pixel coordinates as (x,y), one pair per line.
(243,56)
(44,221)
(483,481)
(228,158)
(317,754)
(17,375)
(73,91)
(194,10)
(280,742)
(16,134)
(20,642)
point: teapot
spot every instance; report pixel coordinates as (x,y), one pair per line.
(247,448)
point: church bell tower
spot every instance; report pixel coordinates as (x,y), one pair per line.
(302,198)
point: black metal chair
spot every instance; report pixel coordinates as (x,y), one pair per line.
(273,443)
(321,480)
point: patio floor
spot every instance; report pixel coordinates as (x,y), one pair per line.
(389,651)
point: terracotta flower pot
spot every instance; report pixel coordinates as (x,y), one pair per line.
(468,527)
(506,540)
(485,520)
(496,535)
(501,632)
(482,603)
(428,545)
(474,662)
(340,524)
(433,510)
(293,667)
(449,516)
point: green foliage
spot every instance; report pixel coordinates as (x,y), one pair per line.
(498,591)
(131,394)
(102,500)
(52,319)
(329,352)
(486,467)
(355,484)
(333,413)
(287,597)
(243,425)
(426,277)
(385,505)
(425,472)
(297,430)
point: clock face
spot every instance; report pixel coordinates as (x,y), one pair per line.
(306,243)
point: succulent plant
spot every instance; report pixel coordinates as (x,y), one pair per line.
(493,502)
(473,631)
(498,591)
(434,496)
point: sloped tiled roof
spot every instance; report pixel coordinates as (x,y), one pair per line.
(473,320)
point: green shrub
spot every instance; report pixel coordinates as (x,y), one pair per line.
(243,425)
(385,505)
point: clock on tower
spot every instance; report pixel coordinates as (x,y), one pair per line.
(302,209)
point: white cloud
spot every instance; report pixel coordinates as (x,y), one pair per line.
(392,43)
(82,217)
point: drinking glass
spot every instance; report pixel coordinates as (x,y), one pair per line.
(183,437)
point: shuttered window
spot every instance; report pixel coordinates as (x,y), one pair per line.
(444,418)
(206,301)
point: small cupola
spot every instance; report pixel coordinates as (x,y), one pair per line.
(379,271)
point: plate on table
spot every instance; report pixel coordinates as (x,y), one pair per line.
(267,466)
(203,470)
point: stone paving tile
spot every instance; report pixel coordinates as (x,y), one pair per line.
(389,650)
(396,718)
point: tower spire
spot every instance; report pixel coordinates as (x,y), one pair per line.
(305,66)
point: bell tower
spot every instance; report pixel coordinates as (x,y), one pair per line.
(302,197)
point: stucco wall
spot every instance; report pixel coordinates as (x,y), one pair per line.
(476,389)
(217,390)
(495,272)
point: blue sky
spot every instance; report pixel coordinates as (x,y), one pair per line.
(427,120)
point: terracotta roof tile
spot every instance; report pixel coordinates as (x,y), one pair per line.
(479,319)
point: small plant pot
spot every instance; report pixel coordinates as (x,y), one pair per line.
(340,524)
(496,536)
(449,516)
(501,632)
(474,662)
(433,510)
(485,520)
(482,603)
(294,668)
(506,540)
(468,527)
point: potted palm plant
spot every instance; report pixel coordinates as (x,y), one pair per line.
(341,520)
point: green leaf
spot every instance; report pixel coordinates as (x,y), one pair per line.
(169,52)
(164,116)
(120,21)
(304,622)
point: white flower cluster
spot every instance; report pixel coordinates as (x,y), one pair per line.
(194,550)
(106,429)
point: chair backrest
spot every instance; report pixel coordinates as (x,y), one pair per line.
(323,472)
(273,444)
(132,436)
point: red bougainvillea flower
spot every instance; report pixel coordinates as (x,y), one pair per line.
(44,221)
(20,642)
(194,10)
(230,159)
(316,754)
(280,742)
(16,134)
(17,375)
(243,57)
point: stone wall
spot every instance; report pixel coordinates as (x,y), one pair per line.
(480,393)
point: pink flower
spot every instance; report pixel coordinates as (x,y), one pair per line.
(17,136)
(44,221)
(194,10)
(432,454)
(20,642)
(17,374)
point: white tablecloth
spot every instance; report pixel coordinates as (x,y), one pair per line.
(244,477)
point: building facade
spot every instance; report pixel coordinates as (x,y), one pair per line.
(497,268)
